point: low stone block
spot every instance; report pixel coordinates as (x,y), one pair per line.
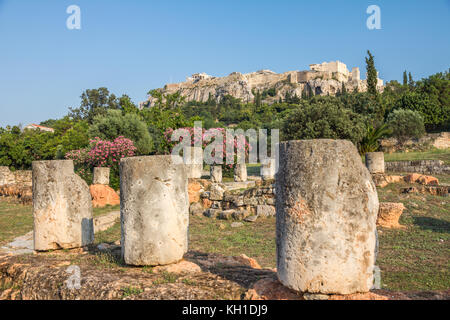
(216,174)
(240,172)
(101,175)
(388,215)
(265,211)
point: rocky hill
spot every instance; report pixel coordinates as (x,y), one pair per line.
(326,78)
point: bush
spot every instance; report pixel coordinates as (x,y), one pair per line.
(101,153)
(323,118)
(405,124)
(115,124)
(238,146)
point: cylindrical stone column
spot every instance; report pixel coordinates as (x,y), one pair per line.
(326,206)
(62,207)
(101,175)
(194,162)
(240,172)
(154,210)
(215,172)
(375,162)
(267,169)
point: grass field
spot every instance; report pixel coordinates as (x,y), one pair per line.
(17,219)
(434,154)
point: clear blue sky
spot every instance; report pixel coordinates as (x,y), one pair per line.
(134,46)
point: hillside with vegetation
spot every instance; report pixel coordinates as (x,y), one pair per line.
(402,110)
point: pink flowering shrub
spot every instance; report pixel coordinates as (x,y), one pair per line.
(237,143)
(102,153)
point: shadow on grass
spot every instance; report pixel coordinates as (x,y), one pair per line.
(243,275)
(433,224)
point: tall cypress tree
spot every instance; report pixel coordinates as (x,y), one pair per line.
(410,80)
(405,78)
(371,75)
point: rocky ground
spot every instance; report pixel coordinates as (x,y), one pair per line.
(199,276)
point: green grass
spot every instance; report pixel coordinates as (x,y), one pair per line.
(416,258)
(131,291)
(255,239)
(433,154)
(106,209)
(17,219)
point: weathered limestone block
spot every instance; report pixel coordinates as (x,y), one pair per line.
(267,169)
(196,209)
(240,172)
(265,210)
(106,221)
(389,213)
(194,190)
(62,207)
(101,176)
(216,192)
(422,179)
(154,210)
(326,206)
(216,173)
(103,195)
(194,162)
(375,162)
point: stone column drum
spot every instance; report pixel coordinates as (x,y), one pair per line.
(194,163)
(375,162)
(240,172)
(326,207)
(154,210)
(215,172)
(62,207)
(267,170)
(101,176)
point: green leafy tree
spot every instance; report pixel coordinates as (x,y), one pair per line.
(127,105)
(114,124)
(432,112)
(405,124)
(323,118)
(94,102)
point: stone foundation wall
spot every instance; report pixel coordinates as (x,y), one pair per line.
(221,202)
(20,177)
(420,166)
(16,184)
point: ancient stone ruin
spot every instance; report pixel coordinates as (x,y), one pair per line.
(101,176)
(375,162)
(240,172)
(324,199)
(327,207)
(216,173)
(62,207)
(16,184)
(194,162)
(267,170)
(326,78)
(154,210)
